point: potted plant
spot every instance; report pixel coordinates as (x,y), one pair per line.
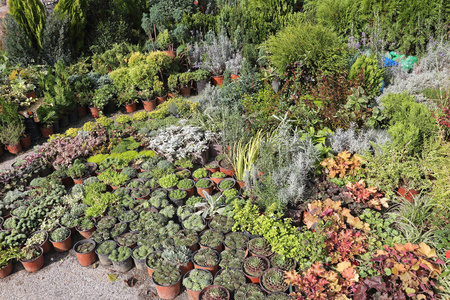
(201,78)
(85,251)
(69,221)
(128,98)
(159,202)
(104,250)
(226,184)
(100,235)
(168,181)
(101,98)
(147,100)
(167,281)
(172,84)
(222,223)
(154,261)
(39,238)
(128,216)
(187,185)
(178,197)
(78,171)
(232,258)
(216,292)
(6,260)
(140,256)
(25,140)
(249,291)
(225,166)
(142,193)
(204,186)
(185,80)
(281,262)
(194,222)
(231,193)
(207,259)
(183,173)
(232,279)
(212,206)
(32,258)
(10,134)
(195,281)
(218,177)
(235,240)
(260,246)
(118,229)
(187,238)
(273,280)
(165,42)
(85,227)
(212,168)
(254,266)
(106,222)
(234,65)
(212,239)
(47,117)
(128,239)
(200,173)
(61,239)
(158,88)
(180,256)
(121,259)
(279,296)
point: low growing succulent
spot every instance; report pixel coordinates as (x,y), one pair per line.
(29,253)
(118,229)
(216,293)
(281,262)
(260,246)
(120,254)
(230,278)
(85,224)
(218,175)
(203,183)
(211,238)
(226,184)
(78,209)
(135,184)
(140,192)
(85,247)
(236,240)
(129,171)
(159,201)
(185,211)
(232,258)
(177,194)
(206,257)
(127,239)
(222,223)
(128,216)
(249,292)
(185,184)
(182,174)
(194,199)
(197,280)
(145,175)
(142,252)
(187,237)
(255,265)
(200,173)
(37,239)
(167,276)
(273,280)
(60,234)
(106,247)
(178,256)
(107,222)
(279,296)
(154,260)
(194,222)
(100,235)
(168,211)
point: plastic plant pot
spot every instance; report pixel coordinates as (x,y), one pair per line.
(194,295)
(225,169)
(212,269)
(46,245)
(6,270)
(149,105)
(34,264)
(168,292)
(208,189)
(206,289)
(103,258)
(64,245)
(85,259)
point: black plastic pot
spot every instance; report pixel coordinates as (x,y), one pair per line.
(73,116)
(141,264)
(123,266)
(201,85)
(103,258)
(32,129)
(110,108)
(64,121)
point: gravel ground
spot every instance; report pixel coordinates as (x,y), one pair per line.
(63,278)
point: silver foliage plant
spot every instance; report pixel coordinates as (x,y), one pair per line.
(213,53)
(432,71)
(357,142)
(179,142)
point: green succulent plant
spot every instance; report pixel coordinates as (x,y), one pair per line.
(249,292)
(107,222)
(85,247)
(281,262)
(273,280)
(197,280)
(60,234)
(118,229)
(206,257)
(167,276)
(29,253)
(203,183)
(168,181)
(218,175)
(100,235)
(120,254)
(226,184)
(177,194)
(232,258)
(260,246)
(142,252)
(200,173)
(185,184)
(179,255)
(194,222)
(254,266)
(212,238)
(230,278)
(128,216)
(37,239)
(127,239)
(222,223)
(154,260)
(106,247)
(186,238)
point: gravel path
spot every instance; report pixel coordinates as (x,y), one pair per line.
(63,278)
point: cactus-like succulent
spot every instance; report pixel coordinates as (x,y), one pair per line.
(249,292)
(222,223)
(273,280)
(260,246)
(212,238)
(179,256)
(232,258)
(255,265)
(230,278)
(206,257)
(197,280)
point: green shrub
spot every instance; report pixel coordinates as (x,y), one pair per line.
(318,49)
(30,16)
(373,74)
(76,12)
(411,123)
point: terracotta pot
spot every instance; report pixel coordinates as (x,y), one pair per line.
(6,270)
(170,53)
(216,180)
(234,78)
(130,107)
(168,292)
(14,149)
(252,278)
(86,233)
(161,100)
(149,105)
(95,112)
(192,295)
(85,259)
(26,142)
(407,194)
(32,94)
(186,268)
(217,80)
(229,172)
(240,183)
(81,111)
(185,92)
(47,131)
(213,170)
(79,180)
(208,190)
(212,269)
(217,248)
(64,245)
(34,264)
(202,293)
(46,245)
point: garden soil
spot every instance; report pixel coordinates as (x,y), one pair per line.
(62,277)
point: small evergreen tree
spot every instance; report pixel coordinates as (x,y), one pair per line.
(17,43)
(76,13)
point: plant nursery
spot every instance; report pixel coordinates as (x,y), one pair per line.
(229,149)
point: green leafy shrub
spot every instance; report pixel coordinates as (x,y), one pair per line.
(30,15)
(168,181)
(76,12)
(373,74)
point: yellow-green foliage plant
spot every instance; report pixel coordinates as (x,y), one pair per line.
(244,156)
(30,15)
(76,12)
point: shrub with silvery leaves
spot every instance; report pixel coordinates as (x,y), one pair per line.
(234,65)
